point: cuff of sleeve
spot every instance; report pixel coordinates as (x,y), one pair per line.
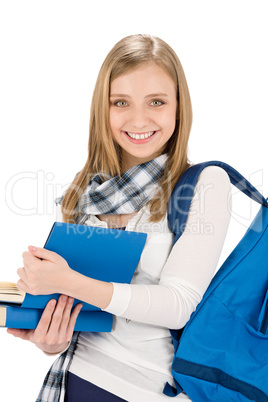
(120,299)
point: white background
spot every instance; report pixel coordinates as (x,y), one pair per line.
(51,52)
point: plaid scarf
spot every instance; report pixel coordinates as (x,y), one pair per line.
(54,385)
(114,196)
(121,195)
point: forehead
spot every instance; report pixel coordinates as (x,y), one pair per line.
(146,78)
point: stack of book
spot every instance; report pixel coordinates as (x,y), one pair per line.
(108,255)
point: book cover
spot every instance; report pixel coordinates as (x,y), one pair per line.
(28,318)
(108,255)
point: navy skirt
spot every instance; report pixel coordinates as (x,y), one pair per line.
(79,389)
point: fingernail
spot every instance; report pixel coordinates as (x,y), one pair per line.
(64,298)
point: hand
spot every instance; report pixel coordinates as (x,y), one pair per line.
(55,328)
(43,273)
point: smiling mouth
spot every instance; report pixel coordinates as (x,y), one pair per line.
(140,136)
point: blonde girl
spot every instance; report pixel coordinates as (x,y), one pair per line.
(140,123)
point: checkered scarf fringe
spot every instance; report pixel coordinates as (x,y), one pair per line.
(114,196)
(54,385)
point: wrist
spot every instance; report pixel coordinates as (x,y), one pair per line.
(72,283)
(54,350)
(67,282)
(88,290)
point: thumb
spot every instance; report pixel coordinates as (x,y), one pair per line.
(43,253)
(20,333)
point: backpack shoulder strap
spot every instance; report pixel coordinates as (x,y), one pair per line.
(181,197)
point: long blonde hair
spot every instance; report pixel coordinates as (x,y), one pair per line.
(103,153)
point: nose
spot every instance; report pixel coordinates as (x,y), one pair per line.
(139,118)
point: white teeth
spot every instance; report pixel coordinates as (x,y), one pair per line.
(141,136)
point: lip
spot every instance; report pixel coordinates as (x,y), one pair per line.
(143,141)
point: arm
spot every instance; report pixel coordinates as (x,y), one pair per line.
(185,276)
(191,263)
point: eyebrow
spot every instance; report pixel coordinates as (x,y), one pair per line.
(147,96)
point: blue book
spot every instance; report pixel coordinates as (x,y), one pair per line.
(109,255)
(28,318)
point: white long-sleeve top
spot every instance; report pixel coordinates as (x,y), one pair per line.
(134,360)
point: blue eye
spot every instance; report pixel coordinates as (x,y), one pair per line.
(121,103)
(157,103)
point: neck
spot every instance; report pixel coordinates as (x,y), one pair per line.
(129,161)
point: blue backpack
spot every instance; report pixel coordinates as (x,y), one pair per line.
(221,355)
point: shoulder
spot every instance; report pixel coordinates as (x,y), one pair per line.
(213,179)
(214,174)
(213,190)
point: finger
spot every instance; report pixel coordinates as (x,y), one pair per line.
(20,333)
(22,274)
(73,319)
(44,254)
(28,258)
(58,314)
(45,320)
(23,286)
(66,315)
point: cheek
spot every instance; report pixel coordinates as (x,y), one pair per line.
(111,120)
(168,122)
(116,120)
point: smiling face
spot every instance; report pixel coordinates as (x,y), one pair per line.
(143,105)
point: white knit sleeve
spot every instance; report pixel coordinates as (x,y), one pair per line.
(191,264)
